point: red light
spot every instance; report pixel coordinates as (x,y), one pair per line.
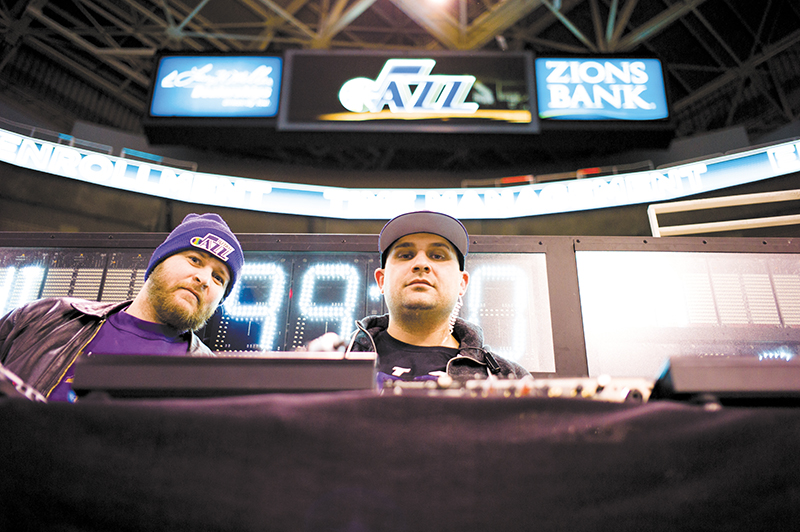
(589,171)
(516,179)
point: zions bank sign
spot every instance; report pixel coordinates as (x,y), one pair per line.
(600,89)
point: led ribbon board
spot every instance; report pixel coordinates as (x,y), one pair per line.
(601,89)
(435,92)
(381,204)
(216,86)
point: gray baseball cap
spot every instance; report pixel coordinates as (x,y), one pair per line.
(431,222)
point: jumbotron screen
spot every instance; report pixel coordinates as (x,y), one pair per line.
(446,92)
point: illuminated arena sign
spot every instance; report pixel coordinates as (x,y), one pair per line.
(407,85)
(380,203)
(601,89)
(440,92)
(216,86)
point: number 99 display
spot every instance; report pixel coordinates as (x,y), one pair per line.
(285,299)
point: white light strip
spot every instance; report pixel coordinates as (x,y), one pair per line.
(516,305)
(341,311)
(381,204)
(7,275)
(265,311)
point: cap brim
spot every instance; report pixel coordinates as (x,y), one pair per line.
(425,222)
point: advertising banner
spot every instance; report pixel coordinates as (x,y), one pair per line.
(383,203)
(594,89)
(203,86)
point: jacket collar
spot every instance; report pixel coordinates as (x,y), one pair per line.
(96,308)
(468,334)
(104,310)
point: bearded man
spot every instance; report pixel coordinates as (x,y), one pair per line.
(187,278)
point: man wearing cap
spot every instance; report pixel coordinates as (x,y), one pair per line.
(422,279)
(187,277)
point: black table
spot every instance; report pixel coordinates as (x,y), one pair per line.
(356,461)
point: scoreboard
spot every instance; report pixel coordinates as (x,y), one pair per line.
(560,306)
(287,297)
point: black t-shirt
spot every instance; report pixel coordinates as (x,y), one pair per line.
(399,360)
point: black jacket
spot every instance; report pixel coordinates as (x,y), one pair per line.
(41,340)
(474,359)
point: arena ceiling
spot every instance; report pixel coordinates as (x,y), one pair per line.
(729,62)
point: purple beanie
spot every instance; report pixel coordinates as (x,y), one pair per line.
(205,232)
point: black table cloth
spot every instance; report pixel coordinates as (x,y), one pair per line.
(354,461)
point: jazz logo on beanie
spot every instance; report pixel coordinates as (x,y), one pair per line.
(213,244)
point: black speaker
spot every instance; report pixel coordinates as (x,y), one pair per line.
(731,379)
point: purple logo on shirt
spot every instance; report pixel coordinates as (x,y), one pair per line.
(213,244)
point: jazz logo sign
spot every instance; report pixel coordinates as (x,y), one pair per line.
(614,89)
(407,86)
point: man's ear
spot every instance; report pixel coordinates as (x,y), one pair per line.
(380,275)
(464,283)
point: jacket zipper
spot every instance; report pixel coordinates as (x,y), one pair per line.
(353,339)
(361,328)
(74,358)
(468,358)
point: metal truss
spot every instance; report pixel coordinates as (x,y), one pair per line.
(730,62)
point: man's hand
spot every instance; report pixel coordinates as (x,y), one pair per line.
(327,342)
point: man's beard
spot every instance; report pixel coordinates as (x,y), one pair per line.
(168,310)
